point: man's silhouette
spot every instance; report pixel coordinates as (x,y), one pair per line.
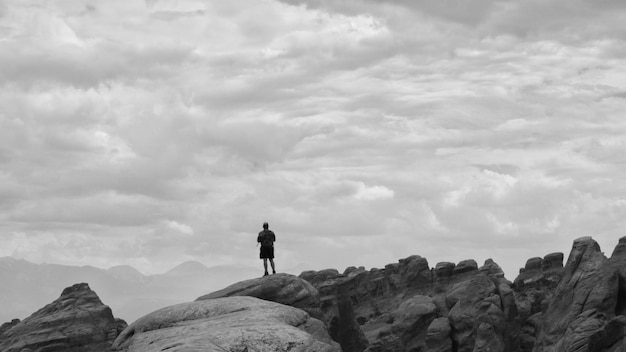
(267,238)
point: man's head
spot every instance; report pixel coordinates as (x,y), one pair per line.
(266,225)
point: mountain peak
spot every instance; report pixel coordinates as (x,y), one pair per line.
(188,267)
(127,273)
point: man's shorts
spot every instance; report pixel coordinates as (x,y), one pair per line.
(267,252)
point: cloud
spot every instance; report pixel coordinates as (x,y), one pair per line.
(178,227)
(373,193)
(362,130)
(458,11)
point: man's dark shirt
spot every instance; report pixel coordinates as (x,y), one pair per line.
(266,238)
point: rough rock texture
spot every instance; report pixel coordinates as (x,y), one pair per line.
(552,261)
(281,288)
(443,271)
(617,262)
(610,338)
(533,289)
(77,321)
(550,307)
(438,336)
(465,266)
(582,302)
(227,324)
(474,304)
(412,319)
(490,268)
(395,307)
(318,277)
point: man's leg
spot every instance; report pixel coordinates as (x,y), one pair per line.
(273,267)
(265,265)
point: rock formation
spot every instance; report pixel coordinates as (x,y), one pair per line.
(438,336)
(410,307)
(585,304)
(465,308)
(227,324)
(77,321)
(406,306)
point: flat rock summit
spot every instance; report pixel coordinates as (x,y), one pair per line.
(554,305)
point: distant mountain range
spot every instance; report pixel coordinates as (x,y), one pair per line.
(26,287)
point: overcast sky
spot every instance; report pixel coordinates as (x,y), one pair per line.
(153,132)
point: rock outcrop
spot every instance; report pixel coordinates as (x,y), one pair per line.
(412,319)
(585,304)
(438,336)
(410,307)
(281,288)
(550,307)
(227,324)
(77,321)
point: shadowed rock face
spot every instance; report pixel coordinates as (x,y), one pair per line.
(226,324)
(77,321)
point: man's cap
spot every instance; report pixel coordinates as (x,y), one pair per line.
(265,224)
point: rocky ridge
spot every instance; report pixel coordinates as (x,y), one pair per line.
(406,306)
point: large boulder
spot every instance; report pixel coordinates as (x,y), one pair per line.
(488,340)
(77,321)
(281,288)
(465,266)
(414,271)
(319,277)
(412,319)
(541,272)
(226,324)
(443,271)
(438,336)
(492,269)
(552,261)
(472,303)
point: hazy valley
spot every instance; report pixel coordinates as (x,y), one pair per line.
(130,294)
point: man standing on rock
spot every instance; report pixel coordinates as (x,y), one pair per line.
(267,238)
